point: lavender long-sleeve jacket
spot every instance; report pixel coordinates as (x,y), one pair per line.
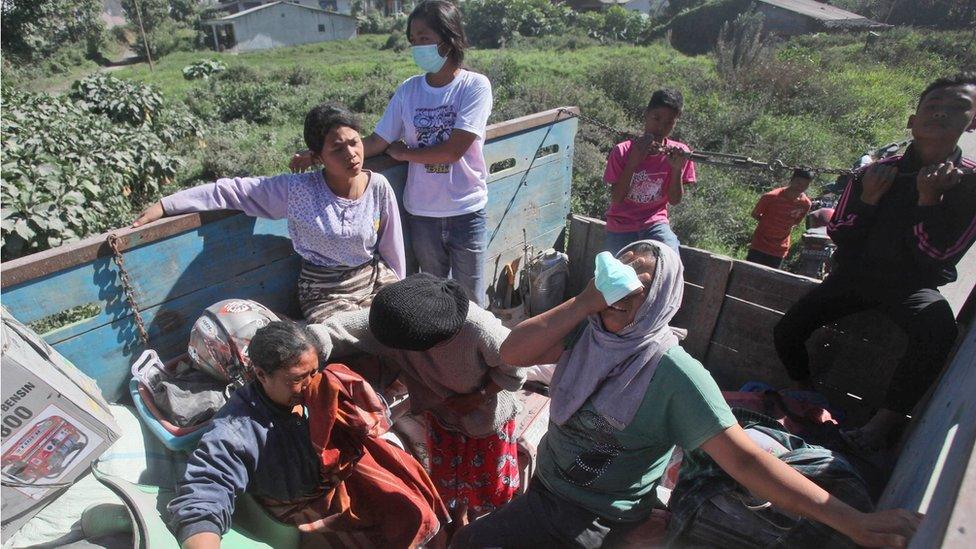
(326,230)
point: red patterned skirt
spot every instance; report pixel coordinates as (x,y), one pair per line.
(481,473)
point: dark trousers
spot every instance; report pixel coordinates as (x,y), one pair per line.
(540,519)
(923,314)
(762,258)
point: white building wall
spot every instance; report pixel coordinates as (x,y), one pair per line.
(285,25)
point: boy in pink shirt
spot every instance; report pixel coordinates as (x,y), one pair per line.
(644,180)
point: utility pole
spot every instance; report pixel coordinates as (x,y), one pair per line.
(145,41)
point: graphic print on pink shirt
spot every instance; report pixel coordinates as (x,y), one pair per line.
(647,187)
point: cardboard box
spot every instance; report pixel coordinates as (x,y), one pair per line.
(54,423)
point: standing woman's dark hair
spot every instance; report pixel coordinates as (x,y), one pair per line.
(444,18)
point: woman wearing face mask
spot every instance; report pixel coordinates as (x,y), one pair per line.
(343,221)
(440,116)
(624,394)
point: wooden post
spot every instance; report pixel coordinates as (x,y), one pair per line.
(145,40)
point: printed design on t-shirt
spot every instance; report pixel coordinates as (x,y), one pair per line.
(646,187)
(433,126)
(798,212)
(590,464)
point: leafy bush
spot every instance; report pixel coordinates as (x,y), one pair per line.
(33,30)
(168,37)
(295,76)
(254,102)
(495,23)
(230,153)
(241,74)
(397,42)
(203,69)
(121,101)
(618,24)
(70,169)
(740,45)
(696,30)
(376,23)
(377,89)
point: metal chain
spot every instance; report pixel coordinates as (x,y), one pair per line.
(114,242)
(717,158)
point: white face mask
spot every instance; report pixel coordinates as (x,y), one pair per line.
(428,58)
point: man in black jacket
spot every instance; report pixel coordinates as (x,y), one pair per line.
(900,227)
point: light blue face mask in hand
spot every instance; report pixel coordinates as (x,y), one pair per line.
(427,58)
(614,279)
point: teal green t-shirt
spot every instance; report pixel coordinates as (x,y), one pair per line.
(613,472)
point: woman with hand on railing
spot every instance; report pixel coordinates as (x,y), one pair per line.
(441,117)
(342,220)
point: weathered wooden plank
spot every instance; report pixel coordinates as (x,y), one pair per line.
(959,533)
(937,462)
(579,230)
(594,245)
(171,267)
(64,257)
(534,120)
(771,288)
(690,302)
(709,305)
(744,333)
(696,263)
(106,352)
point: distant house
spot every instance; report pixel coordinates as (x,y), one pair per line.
(792,17)
(278,24)
(231,7)
(653,8)
(386,7)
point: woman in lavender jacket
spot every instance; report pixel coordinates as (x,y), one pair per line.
(343,221)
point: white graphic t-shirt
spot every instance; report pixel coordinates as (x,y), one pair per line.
(423,116)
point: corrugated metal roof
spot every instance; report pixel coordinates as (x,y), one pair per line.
(239,14)
(814,9)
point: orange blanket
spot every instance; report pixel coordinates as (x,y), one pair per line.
(375,493)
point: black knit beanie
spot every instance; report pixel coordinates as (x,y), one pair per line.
(418,312)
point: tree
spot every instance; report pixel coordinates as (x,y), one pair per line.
(36,29)
(154,13)
(740,44)
(184,11)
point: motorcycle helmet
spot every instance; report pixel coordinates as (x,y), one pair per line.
(220,337)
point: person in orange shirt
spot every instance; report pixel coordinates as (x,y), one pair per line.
(778,211)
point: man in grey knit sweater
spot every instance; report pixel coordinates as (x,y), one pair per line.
(447,352)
